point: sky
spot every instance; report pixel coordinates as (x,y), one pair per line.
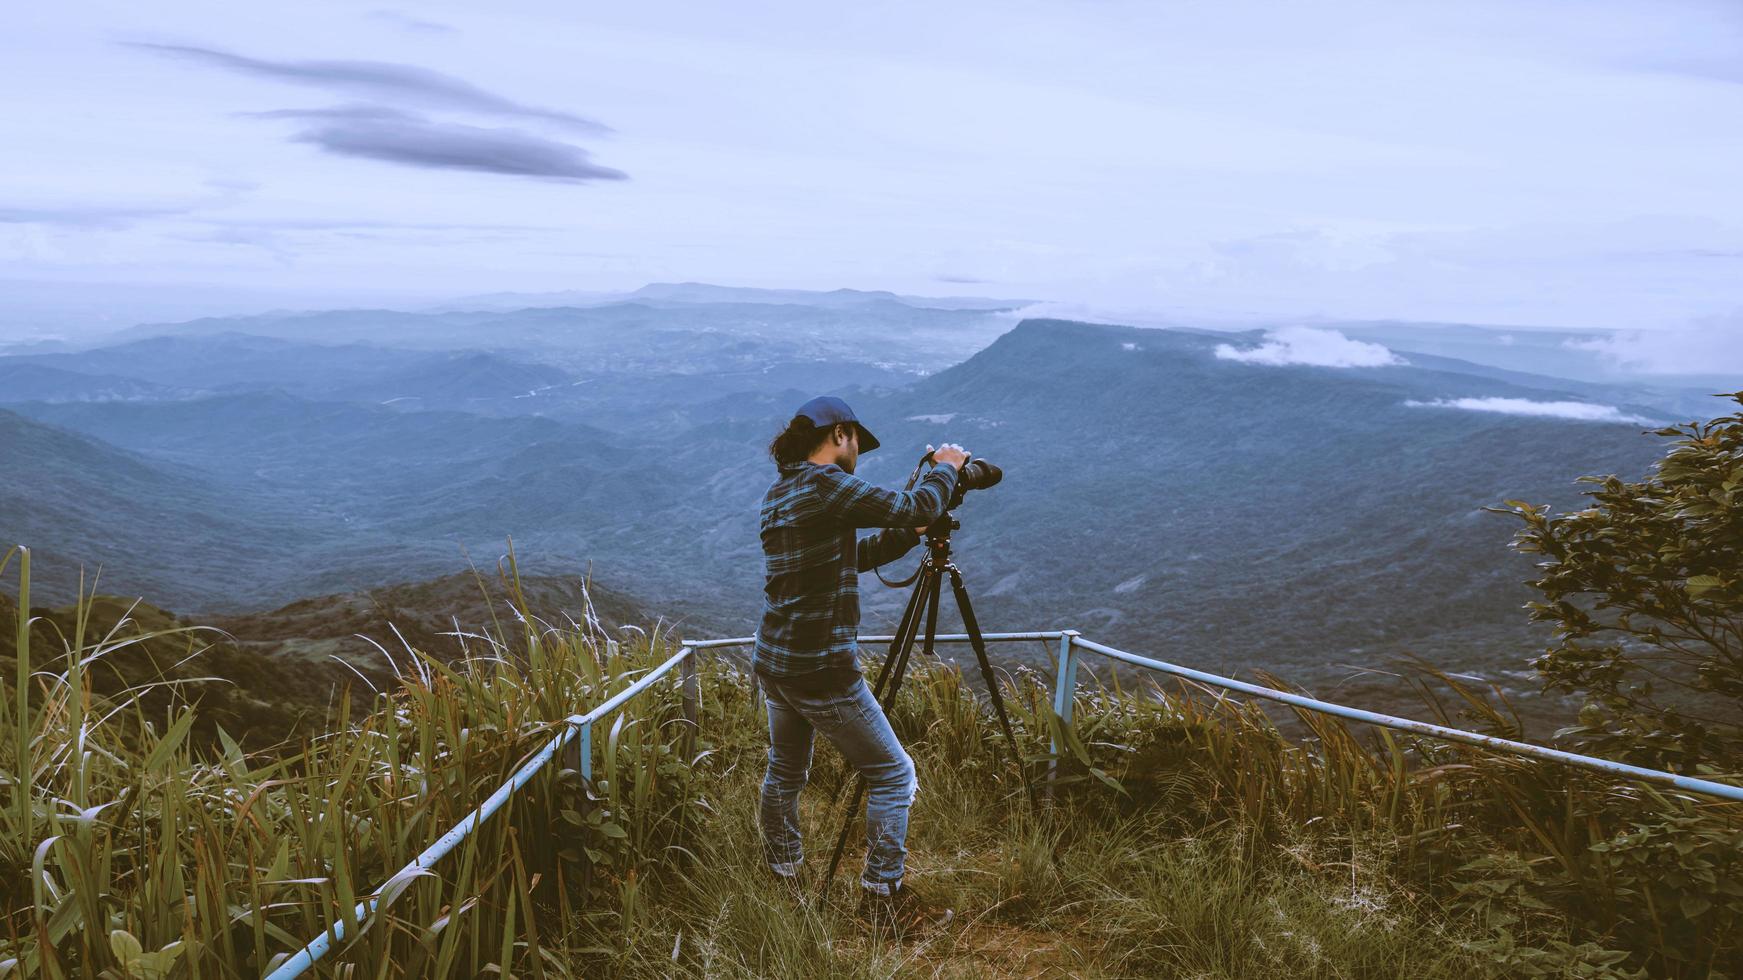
(1530,162)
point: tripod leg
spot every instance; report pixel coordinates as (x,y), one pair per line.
(931,582)
(986,672)
(904,631)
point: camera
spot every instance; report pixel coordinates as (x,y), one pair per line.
(977,474)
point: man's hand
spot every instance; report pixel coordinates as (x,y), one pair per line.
(949,454)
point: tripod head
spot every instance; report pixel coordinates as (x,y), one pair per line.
(975,474)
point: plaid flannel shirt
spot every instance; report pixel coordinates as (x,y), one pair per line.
(813,557)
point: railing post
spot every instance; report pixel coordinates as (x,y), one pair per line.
(1064,690)
(691,693)
(584,747)
(572,753)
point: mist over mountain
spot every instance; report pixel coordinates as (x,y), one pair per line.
(700,292)
(1296,499)
(641,335)
(1576,355)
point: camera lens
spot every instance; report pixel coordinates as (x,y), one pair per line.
(980,474)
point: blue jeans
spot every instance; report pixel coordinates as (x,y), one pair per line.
(852,720)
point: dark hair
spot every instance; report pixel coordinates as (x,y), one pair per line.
(800,439)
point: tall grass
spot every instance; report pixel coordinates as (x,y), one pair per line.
(135,851)
(1186,834)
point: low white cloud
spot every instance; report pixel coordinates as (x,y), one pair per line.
(1706,345)
(1578,411)
(1312,346)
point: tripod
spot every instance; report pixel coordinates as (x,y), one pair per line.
(928,586)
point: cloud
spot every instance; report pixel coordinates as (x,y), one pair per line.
(392,136)
(1708,345)
(232,185)
(346,113)
(91,216)
(1577,411)
(370,225)
(287,238)
(384,80)
(113,217)
(1311,346)
(408,23)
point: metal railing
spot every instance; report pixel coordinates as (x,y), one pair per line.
(1064,690)
(573,726)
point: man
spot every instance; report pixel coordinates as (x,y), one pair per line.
(806,649)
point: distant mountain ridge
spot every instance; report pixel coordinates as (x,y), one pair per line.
(700,292)
(631,366)
(1157,494)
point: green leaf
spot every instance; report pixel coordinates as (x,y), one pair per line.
(281,862)
(1704,583)
(124,946)
(167,745)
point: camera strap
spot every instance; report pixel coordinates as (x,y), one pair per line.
(913,479)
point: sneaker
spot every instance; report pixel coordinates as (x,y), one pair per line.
(902,912)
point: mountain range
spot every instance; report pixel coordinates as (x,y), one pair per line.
(1167,490)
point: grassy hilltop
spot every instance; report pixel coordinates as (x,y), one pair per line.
(1186,838)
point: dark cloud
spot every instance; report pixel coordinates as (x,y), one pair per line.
(378,80)
(346,113)
(375,133)
(406,22)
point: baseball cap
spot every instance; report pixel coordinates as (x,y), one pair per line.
(827,410)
